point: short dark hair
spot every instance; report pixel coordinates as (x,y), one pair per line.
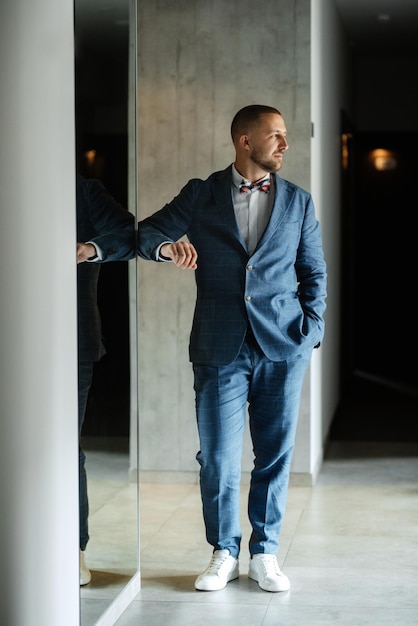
(247,117)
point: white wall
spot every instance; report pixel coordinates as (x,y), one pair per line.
(330,94)
(38,349)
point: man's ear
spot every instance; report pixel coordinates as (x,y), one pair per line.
(244,142)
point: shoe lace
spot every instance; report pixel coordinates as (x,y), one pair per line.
(216,563)
(270,565)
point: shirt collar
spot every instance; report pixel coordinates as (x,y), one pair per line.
(237,178)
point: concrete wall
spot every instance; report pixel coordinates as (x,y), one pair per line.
(199,62)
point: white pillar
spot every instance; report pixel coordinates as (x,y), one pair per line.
(38,350)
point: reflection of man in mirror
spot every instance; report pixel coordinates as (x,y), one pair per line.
(105,232)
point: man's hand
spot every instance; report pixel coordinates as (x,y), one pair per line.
(182,253)
(85,251)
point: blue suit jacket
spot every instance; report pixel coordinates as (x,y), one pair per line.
(279,290)
(108,224)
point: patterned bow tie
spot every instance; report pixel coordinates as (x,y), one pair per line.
(262,185)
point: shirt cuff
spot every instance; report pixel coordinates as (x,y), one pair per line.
(161,257)
(99,253)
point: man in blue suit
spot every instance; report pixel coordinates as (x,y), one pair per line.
(105,232)
(255,244)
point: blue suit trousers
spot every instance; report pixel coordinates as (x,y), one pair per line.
(271,390)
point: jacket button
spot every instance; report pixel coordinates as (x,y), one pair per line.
(249,267)
(248,298)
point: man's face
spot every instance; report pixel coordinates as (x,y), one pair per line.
(267,142)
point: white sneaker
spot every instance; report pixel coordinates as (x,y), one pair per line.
(222,568)
(266,571)
(85,574)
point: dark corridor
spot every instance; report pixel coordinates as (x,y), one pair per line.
(101,87)
(379,335)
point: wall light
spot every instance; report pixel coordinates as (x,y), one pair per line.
(383,159)
(345,138)
(90,157)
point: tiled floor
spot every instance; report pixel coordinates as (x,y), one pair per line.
(349,546)
(113,547)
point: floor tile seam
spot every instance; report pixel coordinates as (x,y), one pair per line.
(290,538)
(174,509)
(272,603)
(358,605)
(367,572)
(179,501)
(110,501)
(236,602)
(376,506)
(103,480)
(163,524)
(171,508)
(371,535)
(147,537)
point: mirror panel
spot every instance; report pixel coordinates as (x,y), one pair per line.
(105,44)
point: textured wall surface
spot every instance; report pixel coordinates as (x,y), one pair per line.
(199,61)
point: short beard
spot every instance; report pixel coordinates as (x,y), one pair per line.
(268,165)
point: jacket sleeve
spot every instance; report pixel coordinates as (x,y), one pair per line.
(113,225)
(168,224)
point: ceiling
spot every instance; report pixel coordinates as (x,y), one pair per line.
(373,26)
(383,27)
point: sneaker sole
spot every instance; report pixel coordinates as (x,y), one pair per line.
(278,588)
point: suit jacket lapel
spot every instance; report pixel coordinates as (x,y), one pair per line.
(281,203)
(221,189)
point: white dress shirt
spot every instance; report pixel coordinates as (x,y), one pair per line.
(252,209)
